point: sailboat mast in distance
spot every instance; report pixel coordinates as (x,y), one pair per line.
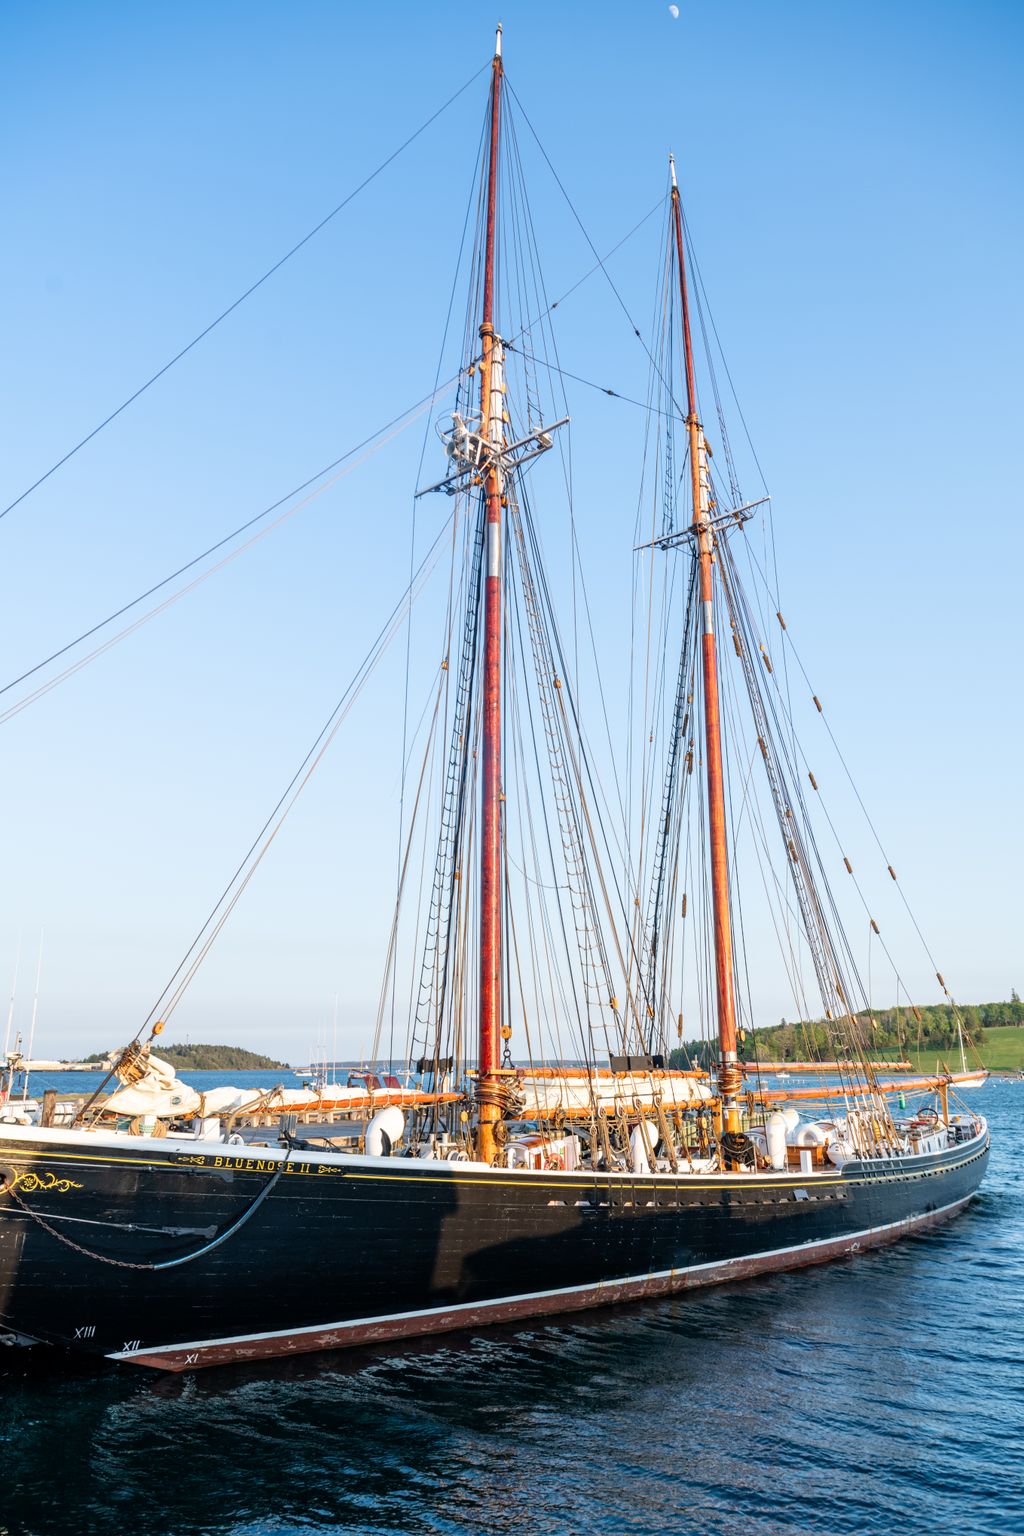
(730,1077)
(489,1100)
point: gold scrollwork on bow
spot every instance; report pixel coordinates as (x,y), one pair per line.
(28,1182)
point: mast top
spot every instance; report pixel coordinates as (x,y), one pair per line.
(672,168)
(497,42)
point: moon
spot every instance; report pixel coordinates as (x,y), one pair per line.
(673,11)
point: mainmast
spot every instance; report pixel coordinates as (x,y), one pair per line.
(729,1075)
(488,1086)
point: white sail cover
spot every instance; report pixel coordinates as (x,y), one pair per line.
(547,1095)
(159,1093)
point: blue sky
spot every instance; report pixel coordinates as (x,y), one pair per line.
(851,173)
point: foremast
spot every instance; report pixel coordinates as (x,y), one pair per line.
(489,1087)
(730,1078)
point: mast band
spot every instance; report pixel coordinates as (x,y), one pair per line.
(494,549)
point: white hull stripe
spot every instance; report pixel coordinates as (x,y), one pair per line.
(596,1293)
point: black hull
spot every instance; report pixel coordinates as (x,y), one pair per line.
(319,1252)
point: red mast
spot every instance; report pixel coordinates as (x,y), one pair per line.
(729,1077)
(488,1089)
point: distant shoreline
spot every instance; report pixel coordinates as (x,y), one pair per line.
(188,1058)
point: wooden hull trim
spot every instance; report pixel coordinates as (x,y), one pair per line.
(378,1330)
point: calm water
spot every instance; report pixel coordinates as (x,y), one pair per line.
(85,1082)
(883,1395)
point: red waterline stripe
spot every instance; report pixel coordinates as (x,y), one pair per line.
(261,1346)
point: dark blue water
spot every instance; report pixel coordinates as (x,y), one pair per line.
(881,1395)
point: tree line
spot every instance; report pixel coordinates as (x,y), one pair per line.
(884,1032)
(208,1058)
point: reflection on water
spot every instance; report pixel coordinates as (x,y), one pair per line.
(880,1395)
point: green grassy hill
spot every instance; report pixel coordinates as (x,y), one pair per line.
(1001,1050)
(920,1035)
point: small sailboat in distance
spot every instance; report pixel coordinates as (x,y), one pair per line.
(967,1077)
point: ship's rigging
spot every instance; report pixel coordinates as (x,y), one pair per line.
(544,835)
(596,917)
